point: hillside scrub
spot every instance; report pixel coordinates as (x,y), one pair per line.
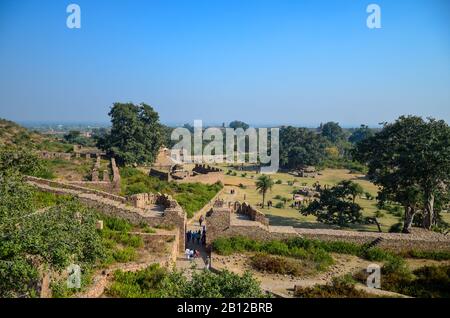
(157,282)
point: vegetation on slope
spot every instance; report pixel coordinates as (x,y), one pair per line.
(158,282)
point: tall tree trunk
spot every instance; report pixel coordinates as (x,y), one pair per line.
(429,211)
(409,216)
(264,195)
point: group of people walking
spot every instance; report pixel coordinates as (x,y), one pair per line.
(196,237)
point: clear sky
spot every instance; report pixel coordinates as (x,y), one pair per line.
(262,61)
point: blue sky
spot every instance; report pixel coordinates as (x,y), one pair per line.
(262,61)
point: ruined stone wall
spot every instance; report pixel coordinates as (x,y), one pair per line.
(220,224)
(55,155)
(204,169)
(116,175)
(105,186)
(419,239)
(251,212)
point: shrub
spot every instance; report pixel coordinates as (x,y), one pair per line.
(279,205)
(127,254)
(279,265)
(396,228)
(339,288)
(279,181)
(155,281)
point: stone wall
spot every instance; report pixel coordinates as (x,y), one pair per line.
(222,222)
(204,169)
(116,175)
(55,155)
(418,239)
(105,186)
(252,213)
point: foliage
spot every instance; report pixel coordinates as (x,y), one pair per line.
(158,282)
(238,124)
(424,282)
(339,288)
(281,265)
(360,134)
(75,137)
(410,160)
(135,135)
(300,147)
(332,132)
(22,161)
(334,206)
(263,184)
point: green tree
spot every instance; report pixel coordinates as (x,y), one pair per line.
(135,135)
(238,124)
(21,161)
(335,207)
(300,147)
(332,132)
(264,184)
(410,160)
(351,188)
(360,134)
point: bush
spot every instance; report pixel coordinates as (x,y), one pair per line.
(339,288)
(396,228)
(279,265)
(125,255)
(279,181)
(279,205)
(157,282)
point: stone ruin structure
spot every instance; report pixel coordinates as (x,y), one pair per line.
(55,155)
(204,169)
(307,172)
(247,210)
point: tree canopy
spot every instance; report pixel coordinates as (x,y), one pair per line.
(238,124)
(300,147)
(264,184)
(135,136)
(332,132)
(410,160)
(336,205)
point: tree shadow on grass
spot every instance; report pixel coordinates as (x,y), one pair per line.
(289,221)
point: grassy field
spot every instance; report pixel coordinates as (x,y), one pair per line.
(291,216)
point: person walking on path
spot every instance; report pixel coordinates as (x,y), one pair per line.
(201,219)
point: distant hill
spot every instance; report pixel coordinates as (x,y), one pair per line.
(12,134)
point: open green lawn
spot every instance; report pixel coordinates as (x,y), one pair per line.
(291,216)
